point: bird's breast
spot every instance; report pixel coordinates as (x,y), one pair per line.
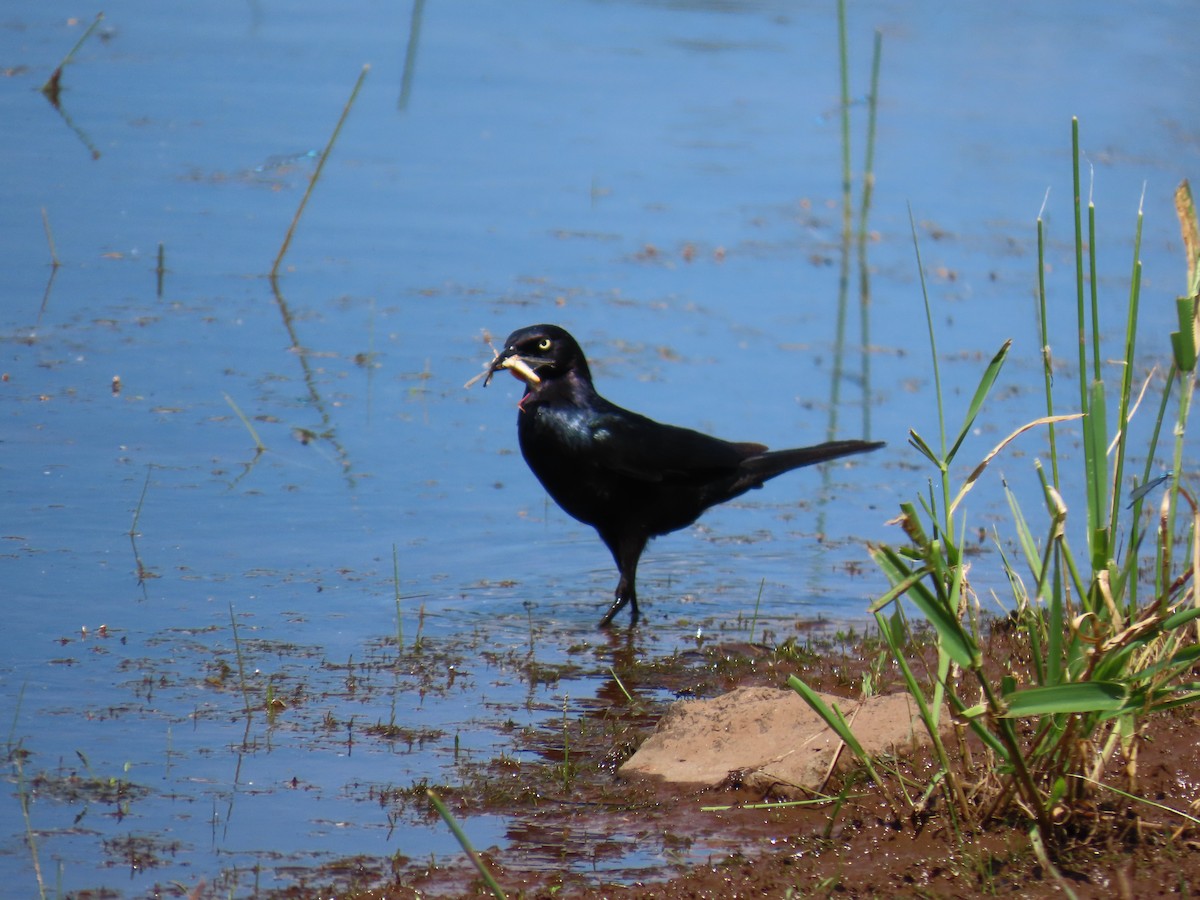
(559,429)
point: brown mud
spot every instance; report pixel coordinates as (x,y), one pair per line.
(571,807)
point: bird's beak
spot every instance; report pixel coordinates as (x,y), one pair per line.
(522,367)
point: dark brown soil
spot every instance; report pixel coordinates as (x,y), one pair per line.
(577,809)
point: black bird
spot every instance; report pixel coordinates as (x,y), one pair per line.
(627,476)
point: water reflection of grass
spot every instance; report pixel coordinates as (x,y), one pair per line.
(144,574)
(854,236)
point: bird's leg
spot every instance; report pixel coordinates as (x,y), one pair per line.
(627,553)
(625,594)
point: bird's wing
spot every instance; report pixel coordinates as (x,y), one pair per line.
(641,448)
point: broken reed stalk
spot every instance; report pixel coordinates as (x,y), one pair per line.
(55,264)
(30,833)
(287,239)
(565,766)
(52,85)
(237,647)
(16,755)
(399,617)
(133,528)
(259,446)
(54,261)
(137,512)
(160,270)
(757,602)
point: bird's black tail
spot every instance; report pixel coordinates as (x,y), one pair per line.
(776,462)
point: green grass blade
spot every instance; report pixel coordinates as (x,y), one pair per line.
(1096,437)
(1184,341)
(951,634)
(902,578)
(1176,699)
(1072,697)
(985,386)
(1029,549)
(1044,334)
(836,722)
(937,377)
(918,443)
(1181,618)
(1079,279)
(976,723)
(312,182)
(1131,317)
(465,843)
(1177,663)
(1135,798)
(1093,282)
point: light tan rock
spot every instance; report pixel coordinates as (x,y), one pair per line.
(768,739)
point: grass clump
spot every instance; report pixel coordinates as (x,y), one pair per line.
(1103,642)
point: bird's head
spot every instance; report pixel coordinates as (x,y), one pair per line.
(539,354)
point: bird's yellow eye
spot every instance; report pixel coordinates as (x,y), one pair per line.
(544,344)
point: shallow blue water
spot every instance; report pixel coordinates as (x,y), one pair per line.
(662,179)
